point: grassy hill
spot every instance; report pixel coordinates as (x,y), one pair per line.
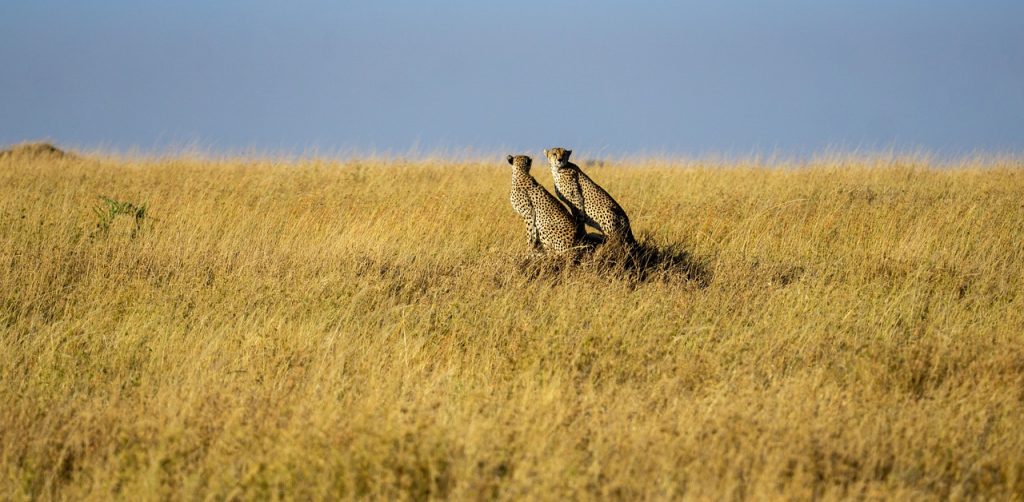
(185,328)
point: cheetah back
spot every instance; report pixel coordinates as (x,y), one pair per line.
(595,205)
(557,229)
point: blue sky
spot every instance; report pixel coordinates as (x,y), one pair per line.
(686,78)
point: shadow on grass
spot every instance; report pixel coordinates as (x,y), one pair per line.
(648,261)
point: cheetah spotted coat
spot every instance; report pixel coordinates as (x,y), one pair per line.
(589,203)
(549,226)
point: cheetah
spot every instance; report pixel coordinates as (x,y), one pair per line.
(589,203)
(549,225)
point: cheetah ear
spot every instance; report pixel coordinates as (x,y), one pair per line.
(567,154)
(509,159)
(545,152)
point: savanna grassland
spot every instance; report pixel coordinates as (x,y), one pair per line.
(244,328)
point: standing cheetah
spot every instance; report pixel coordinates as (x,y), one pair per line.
(548,224)
(589,203)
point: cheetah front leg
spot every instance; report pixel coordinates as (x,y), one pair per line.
(533,232)
(579,221)
(533,237)
(579,209)
(577,216)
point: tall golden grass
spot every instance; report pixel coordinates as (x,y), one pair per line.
(371,328)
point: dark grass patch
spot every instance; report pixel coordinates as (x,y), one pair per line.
(649,260)
(646,261)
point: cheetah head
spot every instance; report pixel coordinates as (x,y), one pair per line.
(520,161)
(558,157)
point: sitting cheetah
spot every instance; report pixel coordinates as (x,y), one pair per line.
(589,203)
(548,224)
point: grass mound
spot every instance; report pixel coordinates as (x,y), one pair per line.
(245,329)
(35,150)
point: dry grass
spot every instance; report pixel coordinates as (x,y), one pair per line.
(320,329)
